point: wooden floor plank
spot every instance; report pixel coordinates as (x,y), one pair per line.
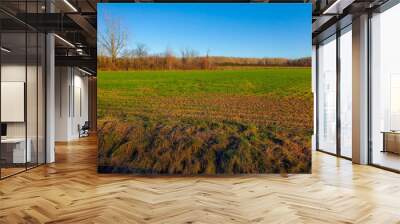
(71,191)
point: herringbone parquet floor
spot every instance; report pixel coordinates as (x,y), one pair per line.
(70,191)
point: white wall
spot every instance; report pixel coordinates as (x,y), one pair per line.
(71,102)
(14,72)
(33,127)
(62,81)
(80,109)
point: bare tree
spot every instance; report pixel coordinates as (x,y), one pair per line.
(139,53)
(187,55)
(169,58)
(113,39)
(141,50)
(206,60)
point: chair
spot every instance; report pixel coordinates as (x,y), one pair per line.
(84,130)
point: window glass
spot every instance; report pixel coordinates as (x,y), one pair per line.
(15,149)
(327,95)
(385,88)
(346,92)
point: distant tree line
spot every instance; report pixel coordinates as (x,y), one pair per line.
(140,59)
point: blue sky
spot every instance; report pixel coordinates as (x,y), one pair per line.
(240,30)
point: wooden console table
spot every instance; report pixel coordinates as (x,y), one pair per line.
(391,141)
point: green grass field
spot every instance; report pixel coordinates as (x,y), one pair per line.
(261,81)
(249,120)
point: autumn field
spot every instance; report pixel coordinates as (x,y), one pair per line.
(236,120)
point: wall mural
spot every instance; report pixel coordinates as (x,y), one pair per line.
(204,88)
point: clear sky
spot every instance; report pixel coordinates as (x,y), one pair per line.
(240,30)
